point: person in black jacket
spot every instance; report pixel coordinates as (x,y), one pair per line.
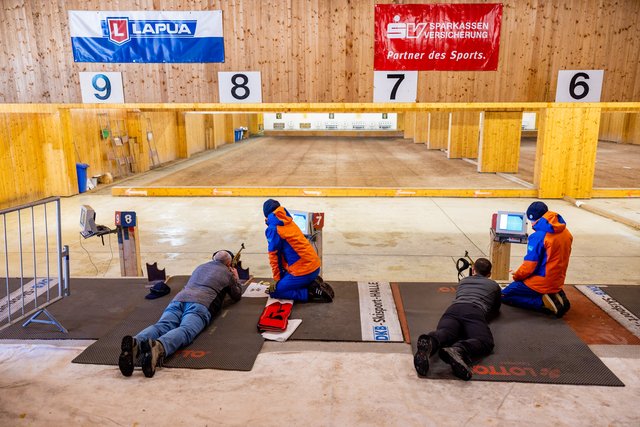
(463,333)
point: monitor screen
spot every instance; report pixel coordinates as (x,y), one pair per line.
(511,223)
(302,221)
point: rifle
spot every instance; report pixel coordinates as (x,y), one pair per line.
(236,258)
(463,263)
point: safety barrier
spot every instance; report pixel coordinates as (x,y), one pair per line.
(35,264)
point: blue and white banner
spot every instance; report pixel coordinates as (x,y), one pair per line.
(155,36)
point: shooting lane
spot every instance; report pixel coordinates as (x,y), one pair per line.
(407,186)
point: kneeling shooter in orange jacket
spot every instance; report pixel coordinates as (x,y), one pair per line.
(294,262)
(538,282)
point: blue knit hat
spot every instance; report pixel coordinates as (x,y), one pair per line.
(269,206)
(536,210)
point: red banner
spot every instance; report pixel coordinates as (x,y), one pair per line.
(442,37)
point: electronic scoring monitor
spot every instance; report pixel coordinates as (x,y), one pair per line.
(512,223)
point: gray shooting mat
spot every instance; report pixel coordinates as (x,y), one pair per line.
(335,321)
(627,295)
(529,347)
(93,308)
(230,342)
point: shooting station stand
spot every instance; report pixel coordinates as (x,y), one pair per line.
(499,254)
(128,243)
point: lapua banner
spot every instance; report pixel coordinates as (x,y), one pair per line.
(440,37)
(150,36)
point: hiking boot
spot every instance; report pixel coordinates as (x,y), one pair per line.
(550,305)
(320,292)
(152,356)
(425,346)
(455,356)
(562,302)
(128,355)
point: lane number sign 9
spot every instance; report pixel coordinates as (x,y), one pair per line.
(579,85)
(101,88)
(240,86)
(395,86)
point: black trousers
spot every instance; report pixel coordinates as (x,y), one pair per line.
(464,325)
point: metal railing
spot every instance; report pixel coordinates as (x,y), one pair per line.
(36,264)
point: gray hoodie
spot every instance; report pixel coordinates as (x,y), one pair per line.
(481,292)
(206,281)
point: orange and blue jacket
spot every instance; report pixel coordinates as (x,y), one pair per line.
(289,250)
(545,265)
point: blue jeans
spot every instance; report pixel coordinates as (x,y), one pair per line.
(178,326)
(295,287)
(520,295)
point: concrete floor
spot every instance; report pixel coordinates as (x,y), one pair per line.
(320,384)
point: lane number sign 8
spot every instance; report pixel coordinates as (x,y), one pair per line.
(395,86)
(240,86)
(579,85)
(101,88)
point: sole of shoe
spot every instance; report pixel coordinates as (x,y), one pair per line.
(458,366)
(549,304)
(147,359)
(421,358)
(125,362)
(564,301)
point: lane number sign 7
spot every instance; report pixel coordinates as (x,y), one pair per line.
(395,86)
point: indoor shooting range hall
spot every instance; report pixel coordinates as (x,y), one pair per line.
(356,163)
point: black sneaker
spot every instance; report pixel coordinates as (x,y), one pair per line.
(455,357)
(128,355)
(562,302)
(320,292)
(327,289)
(421,358)
(152,356)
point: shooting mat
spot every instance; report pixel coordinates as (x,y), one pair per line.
(230,342)
(530,347)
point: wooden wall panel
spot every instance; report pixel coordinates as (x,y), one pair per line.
(631,131)
(256,124)
(165,134)
(612,126)
(499,149)
(196,132)
(322,51)
(620,127)
(421,133)
(566,152)
(220,136)
(463,135)
(438,130)
(409,125)
(35,162)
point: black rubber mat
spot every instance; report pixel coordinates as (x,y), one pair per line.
(230,342)
(94,307)
(336,321)
(627,295)
(530,347)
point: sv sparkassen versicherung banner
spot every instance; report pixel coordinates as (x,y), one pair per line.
(150,36)
(437,37)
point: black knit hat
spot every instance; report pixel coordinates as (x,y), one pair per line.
(157,289)
(536,210)
(270,206)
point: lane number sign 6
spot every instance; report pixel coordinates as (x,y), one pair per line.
(579,85)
